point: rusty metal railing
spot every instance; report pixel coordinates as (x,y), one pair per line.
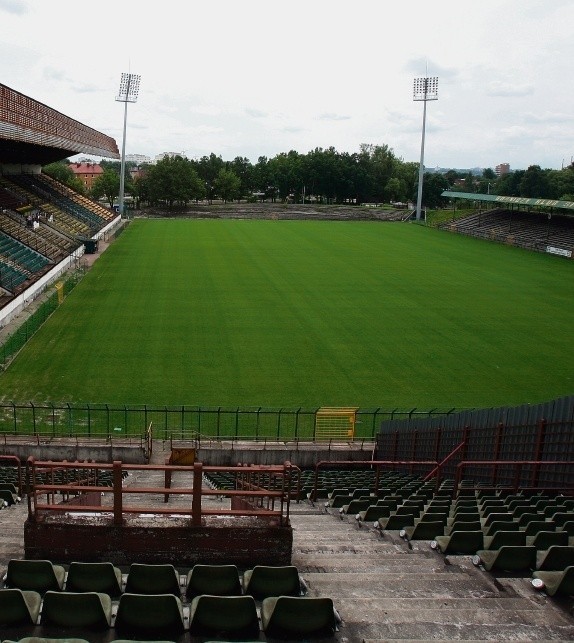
(249,497)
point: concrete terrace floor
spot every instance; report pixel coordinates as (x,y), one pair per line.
(384,589)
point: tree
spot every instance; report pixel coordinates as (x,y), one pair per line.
(394,188)
(62,172)
(208,169)
(227,185)
(173,181)
(107,186)
(433,187)
(534,183)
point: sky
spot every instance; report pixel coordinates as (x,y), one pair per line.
(254,78)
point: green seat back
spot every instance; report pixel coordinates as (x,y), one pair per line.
(18,607)
(263,581)
(291,617)
(94,577)
(223,615)
(152,579)
(36,575)
(219,580)
(68,609)
(149,615)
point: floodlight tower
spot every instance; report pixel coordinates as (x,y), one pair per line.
(424,89)
(129,88)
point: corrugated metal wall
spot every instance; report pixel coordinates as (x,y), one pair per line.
(542,432)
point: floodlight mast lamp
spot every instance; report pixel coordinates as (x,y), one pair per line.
(129,89)
(424,89)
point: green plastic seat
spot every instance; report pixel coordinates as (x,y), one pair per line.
(152,579)
(459,542)
(555,582)
(555,558)
(234,616)
(395,522)
(218,580)
(91,610)
(546,539)
(423,530)
(149,616)
(94,577)
(502,538)
(508,558)
(19,607)
(36,575)
(298,617)
(372,513)
(263,581)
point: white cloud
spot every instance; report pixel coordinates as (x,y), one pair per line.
(503,88)
(13,6)
(256,78)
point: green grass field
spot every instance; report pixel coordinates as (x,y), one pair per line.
(303,313)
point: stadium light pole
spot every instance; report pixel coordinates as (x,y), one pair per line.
(424,89)
(129,89)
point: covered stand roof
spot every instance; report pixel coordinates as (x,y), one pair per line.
(509,200)
(31,132)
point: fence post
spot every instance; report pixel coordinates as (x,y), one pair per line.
(118,496)
(375,421)
(196,497)
(496,454)
(540,439)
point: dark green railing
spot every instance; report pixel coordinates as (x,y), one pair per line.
(183,422)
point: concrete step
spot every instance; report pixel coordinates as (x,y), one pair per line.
(431,631)
(399,585)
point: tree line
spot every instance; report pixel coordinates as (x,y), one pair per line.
(372,175)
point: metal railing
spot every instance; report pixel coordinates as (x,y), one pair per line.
(185,422)
(259,491)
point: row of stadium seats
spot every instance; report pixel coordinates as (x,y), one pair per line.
(158,600)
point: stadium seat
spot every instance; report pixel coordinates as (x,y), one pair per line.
(91,610)
(372,513)
(459,542)
(507,558)
(219,580)
(263,581)
(555,582)
(298,617)
(234,616)
(149,616)
(94,577)
(423,530)
(546,539)
(152,579)
(19,607)
(500,525)
(395,522)
(502,538)
(555,558)
(36,575)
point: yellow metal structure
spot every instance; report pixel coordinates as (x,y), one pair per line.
(60,291)
(335,423)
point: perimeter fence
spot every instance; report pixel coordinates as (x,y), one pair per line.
(16,341)
(50,420)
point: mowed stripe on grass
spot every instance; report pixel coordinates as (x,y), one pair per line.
(303,313)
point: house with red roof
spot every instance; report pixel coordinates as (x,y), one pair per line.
(86,172)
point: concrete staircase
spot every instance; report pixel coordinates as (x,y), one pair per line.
(386,590)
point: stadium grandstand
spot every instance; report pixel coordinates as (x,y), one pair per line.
(542,225)
(441,528)
(45,227)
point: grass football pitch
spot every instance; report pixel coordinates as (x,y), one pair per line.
(304,314)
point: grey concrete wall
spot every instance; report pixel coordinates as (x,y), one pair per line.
(76,452)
